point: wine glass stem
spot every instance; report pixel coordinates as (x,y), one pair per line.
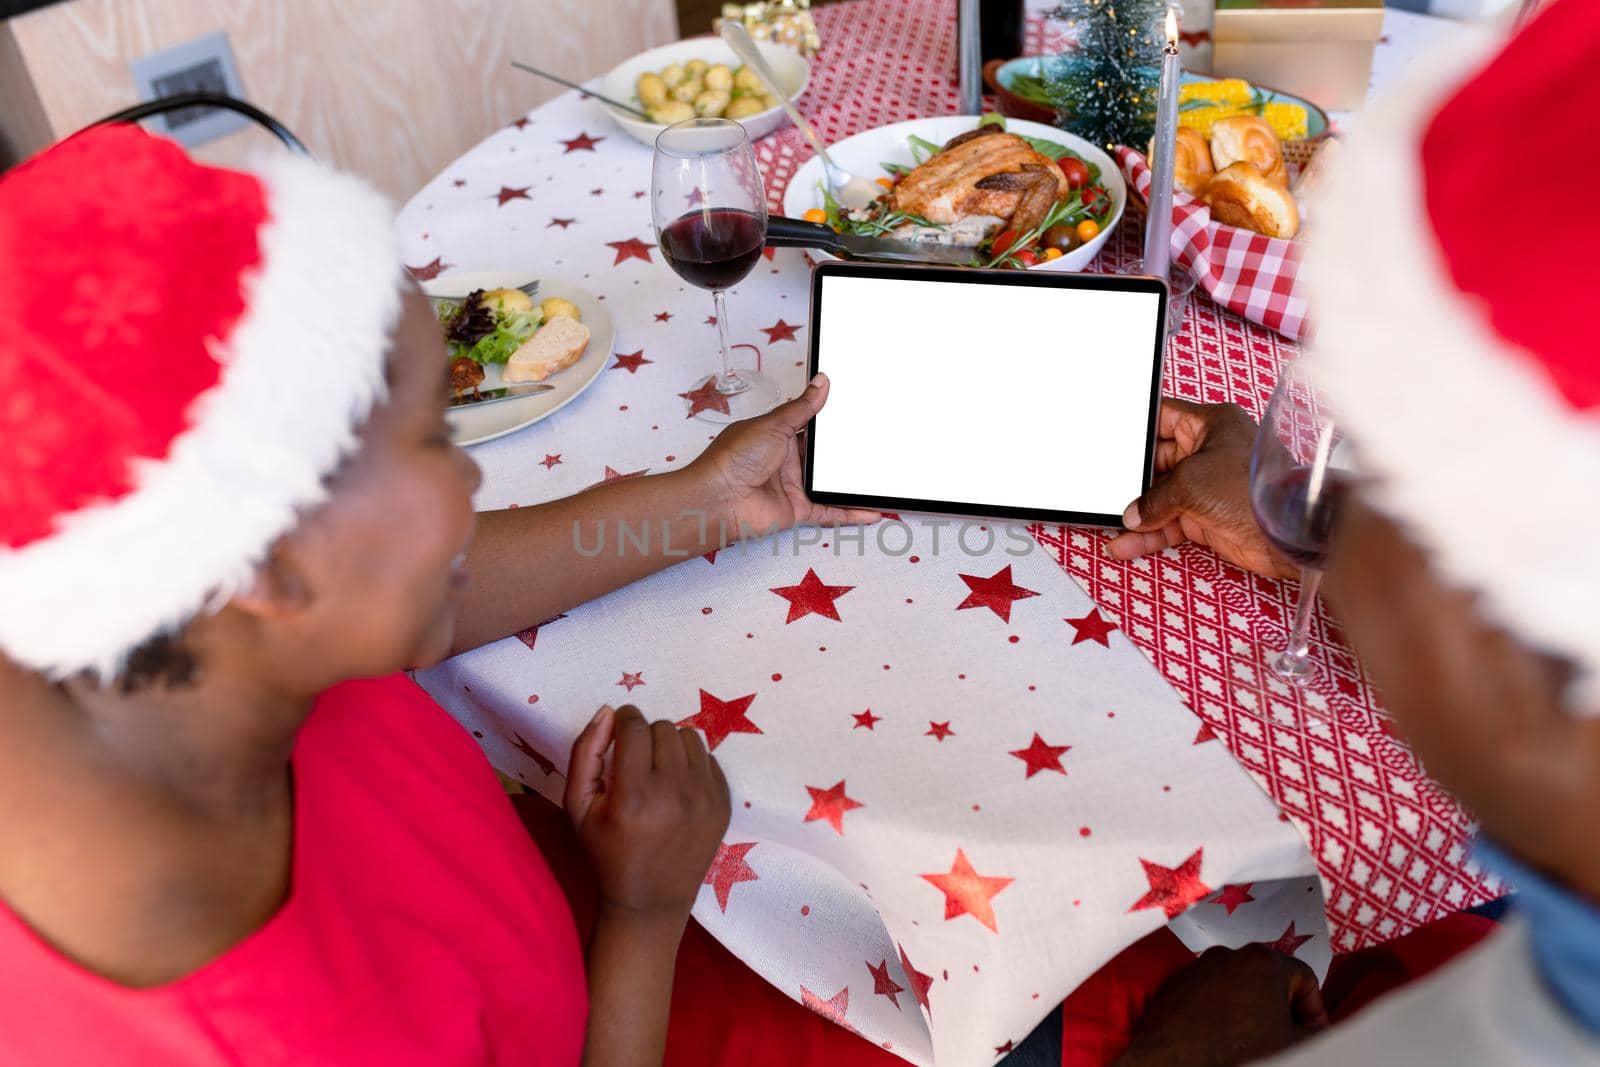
(727,380)
(1300,635)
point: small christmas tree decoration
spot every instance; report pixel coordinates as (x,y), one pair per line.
(1104,85)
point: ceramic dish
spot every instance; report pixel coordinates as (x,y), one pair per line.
(472,424)
(866,152)
(793,72)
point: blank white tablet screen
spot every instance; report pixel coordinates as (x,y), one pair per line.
(1010,396)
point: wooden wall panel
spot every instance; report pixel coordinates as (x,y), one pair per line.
(391,89)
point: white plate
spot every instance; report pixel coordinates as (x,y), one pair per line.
(867,152)
(474,423)
(793,73)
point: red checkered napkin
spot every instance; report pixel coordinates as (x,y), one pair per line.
(1253,276)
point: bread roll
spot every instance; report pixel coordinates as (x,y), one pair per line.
(1191,163)
(557,346)
(1240,195)
(1251,138)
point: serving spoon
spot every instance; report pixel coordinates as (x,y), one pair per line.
(851,190)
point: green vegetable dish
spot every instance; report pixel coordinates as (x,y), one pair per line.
(487,327)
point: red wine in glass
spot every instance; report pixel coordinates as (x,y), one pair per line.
(1297,526)
(713,249)
(1296,492)
(709,206)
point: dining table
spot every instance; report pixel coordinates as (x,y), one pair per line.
(970,761)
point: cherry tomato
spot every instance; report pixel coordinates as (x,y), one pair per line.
(1052,253)
(815,214)
(1061,237)
(1004,241)
(1027,257)
(1075,171)
(1096,200)
(887,183)
(1088,230)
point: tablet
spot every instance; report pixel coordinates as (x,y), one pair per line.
(1014,394)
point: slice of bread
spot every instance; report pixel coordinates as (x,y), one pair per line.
(557,346)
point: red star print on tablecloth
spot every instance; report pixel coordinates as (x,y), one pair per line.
(632,248)
(865,718)
(1288,942)
(1204,734)
(542,761)
(882,984)
(811,597)
(966,892)
(833,1009)
(429,271)
(996,592)
(459,183)
(521,123)
(581,143)
(704,397)
(1042,757)
(563,223)
(728,870)
(1091,628)
(830,805)
(1001,1050)
(1234,895)
(939,730)
(631,680)
(920,983)
(508,194)
(613,475)
(531,634)
(1173,889)
(711,320)
(597,191)
(663,316)
(781,331)
(630,361)
(719,718)
(695,197)
(550,461)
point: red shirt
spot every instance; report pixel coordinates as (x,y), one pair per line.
(421,927)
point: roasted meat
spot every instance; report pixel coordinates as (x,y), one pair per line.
(985,171)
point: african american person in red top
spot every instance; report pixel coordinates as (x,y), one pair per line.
(231,831)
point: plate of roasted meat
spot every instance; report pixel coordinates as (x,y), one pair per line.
(1019,194)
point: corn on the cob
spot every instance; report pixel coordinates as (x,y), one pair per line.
(1288,120)
(1203,118)
(1225,91)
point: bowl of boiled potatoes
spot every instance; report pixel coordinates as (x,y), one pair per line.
(702,78)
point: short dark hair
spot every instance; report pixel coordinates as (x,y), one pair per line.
(162,659)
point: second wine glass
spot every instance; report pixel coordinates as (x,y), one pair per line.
(710,210)
(1297,489)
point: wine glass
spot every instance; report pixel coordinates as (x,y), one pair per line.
(1297,488)
(710,211)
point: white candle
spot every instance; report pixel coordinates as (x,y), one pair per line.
(1158,228)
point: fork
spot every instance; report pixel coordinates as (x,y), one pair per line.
(851,190)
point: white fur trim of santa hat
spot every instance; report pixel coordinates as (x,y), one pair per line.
(1471,449)
(301,370)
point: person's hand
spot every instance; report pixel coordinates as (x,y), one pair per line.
(753,468)
(1231,1006)
(652,830)
(1202,491)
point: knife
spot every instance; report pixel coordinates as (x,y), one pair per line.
(505,392)
(785,232)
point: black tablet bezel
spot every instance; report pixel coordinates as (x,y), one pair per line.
(1039,279)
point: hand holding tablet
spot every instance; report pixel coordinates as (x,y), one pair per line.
(991,393)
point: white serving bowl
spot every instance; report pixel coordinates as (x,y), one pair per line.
(793,73)
(866,152)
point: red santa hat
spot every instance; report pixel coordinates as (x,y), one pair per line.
(1455,288)
(186,354)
